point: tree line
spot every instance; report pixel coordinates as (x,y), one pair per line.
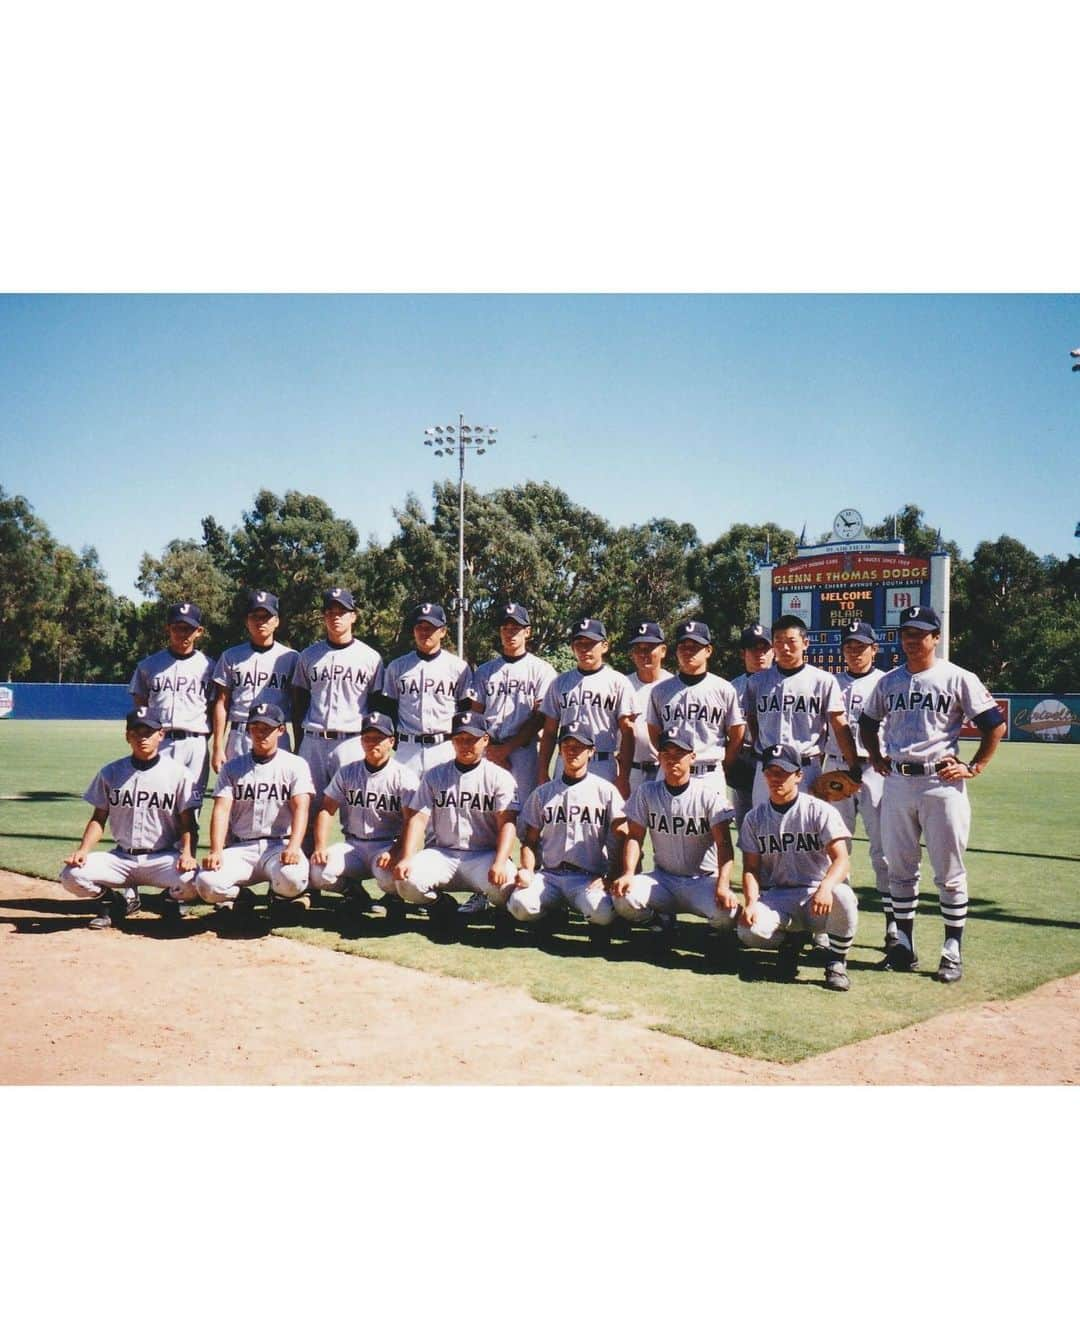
(1015,615)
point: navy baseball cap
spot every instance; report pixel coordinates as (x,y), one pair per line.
(429,612)
(647,631)
(340,596)
(377,722)
(259,600)
(858,631)
(920,617)
(754,634)
(143,717)
(473,723)
(676,736)
(695,631)
(577,731)
(264,712)
(514,614)
(185,612)
(593,629)
(785,757)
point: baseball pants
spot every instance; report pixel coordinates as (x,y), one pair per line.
(117,869)
(237,741)
(639,775)
(547,889)
(523,764)
(809,773)
(248,864)
(867,803)
(742,799)
(792,905)
(325,756)
(353,860)
(436,869)
(660,891)
(939,813)
(421,759)
(193,752)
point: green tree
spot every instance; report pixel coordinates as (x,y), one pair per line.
(26,583)
(725,579)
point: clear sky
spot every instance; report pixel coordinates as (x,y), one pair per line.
(125,420)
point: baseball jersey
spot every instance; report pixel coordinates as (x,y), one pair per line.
(740,684)
(177,688)
(261,791)
(855,691)
(339,680)
(574,819)
(599,698)
(792,843)
(371,800)
(921,712)
(426,690)
(463,804)
(256,675)
(680,822)
(643,746)
(144,802)
(508,690)
(794,709)
(706,706)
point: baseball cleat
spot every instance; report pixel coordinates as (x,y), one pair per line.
(892,938)
(836,978)
(901,959)
(172,911)
(395,909)
(442,917)
(244,904)
(504,927)
(599,936)
(473,906)
(787,957)
(949,970)
(115,908)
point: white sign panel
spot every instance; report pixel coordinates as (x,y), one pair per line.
(796,603)
(898,599)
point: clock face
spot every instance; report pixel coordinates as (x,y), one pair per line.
(847,524)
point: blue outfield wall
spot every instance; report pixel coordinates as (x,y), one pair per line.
(32,700)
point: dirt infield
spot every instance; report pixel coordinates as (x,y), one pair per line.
(116,1008)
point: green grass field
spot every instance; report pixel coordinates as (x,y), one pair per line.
(1024,928)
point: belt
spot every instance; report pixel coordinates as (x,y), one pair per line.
(140,852)
(425,738)
(604,754)
(178,733)
(572,866)
(803,759)
(705,767)
(917,770)
(646,766)
(330,736)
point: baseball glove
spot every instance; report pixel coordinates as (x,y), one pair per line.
(835,785)
(741,774)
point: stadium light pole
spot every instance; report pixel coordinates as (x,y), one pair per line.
(447,439)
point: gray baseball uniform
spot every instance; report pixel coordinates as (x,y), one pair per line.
(179,690)
(645,764)
(254,675)
(867,801)
(793,709)
(508,690)
(372,804)
(426,691)
(339,681)
(707,707)
(742,798)
(596,698)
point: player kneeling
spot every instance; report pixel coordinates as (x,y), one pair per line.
(149,801)
(687,819)
(472,807)
(372,795)
(574,824)
(794,865)
(260,814)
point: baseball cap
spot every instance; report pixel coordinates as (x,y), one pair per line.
(577,731)
(340,596)
(754,634)
(512,613)
(593,629)
(694,630)
(377,722)
(676,736)
(787,757)
(143,717)
(858,631)
(473,723)
(647,631)
(920,617)
(429,612)
(265,712)
(259,600)
(184,612)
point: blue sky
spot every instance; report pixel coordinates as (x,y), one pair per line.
(125,420)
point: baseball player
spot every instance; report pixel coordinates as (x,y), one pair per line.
(472,806)
(596,694)
(260,670)
(688,820)
(148,800)
(259,819)
(178,684)
(371,794)
(330,688)
(648,648)
(858,678)
(703,704)
(571,832)
(795,864)
(757,654)
(917,710)
(423,689)
(509,691)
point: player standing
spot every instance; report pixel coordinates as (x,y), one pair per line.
(917,710)
(422,691)
(648,648)
(757,654)
(259,670)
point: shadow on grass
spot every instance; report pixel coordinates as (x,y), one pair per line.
(39,796)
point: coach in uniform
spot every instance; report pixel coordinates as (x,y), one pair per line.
(919,709)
